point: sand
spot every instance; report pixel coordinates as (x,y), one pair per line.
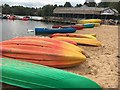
(102,63)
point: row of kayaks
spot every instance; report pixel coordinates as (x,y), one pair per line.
(89,23)
(63,29)
(23,59)
(59,51)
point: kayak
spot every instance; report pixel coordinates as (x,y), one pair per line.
(96,24)
(90,21)
(89,25)
(51,31)
(34,76)
(78,27)
(90,36)
(45,51)
(81,41)
(25,19)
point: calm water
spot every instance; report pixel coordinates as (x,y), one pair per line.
(18,28)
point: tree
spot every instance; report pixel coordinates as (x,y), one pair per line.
(60,6)
(6,9)
(85,4)
(47,10)
(55,5)
(118,7)
(78,5)
(67,4)
(115,5)
(39,12)
(103,4)
(90,4)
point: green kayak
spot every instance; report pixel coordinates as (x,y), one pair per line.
(89,25)
(34,76)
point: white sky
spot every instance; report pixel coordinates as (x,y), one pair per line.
(40,3)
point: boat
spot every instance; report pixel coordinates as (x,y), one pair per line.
(77,27)
(25,18)
(81,41)
(51,31)
(12,17)
(96,24)
(33,76)
(4,17)
(53,41)
(90,21)
(89,25)
(43,52)
(91,36)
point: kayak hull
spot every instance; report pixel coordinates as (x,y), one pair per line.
(77,27)
(51,31)
(89,21)
(33,76)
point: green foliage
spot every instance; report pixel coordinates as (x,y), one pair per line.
(6,9)
(18,10)
(78,5)
(90,4)
(60,6)
(103,4)
(47,10)
(115,5)
(67,4)
(39,12)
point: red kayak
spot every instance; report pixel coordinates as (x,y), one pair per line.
(25,19)
(78,27)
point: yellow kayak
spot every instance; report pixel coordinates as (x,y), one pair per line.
(83,41)
(89,21)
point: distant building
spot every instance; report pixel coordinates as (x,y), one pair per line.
(86,12)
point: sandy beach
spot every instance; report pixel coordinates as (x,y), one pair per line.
(102,62)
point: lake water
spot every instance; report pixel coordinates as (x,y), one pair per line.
(18,28)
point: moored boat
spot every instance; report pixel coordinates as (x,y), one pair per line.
(12,17)
(25,19)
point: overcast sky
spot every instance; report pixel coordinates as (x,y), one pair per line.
(40,3)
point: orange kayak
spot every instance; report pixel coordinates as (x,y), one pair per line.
(53,40)
(42,55)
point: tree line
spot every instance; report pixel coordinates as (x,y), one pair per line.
(47,10)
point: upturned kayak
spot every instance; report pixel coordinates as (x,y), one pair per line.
(33,76)
(51,31)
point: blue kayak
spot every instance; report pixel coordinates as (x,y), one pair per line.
(51,31)
(89,25)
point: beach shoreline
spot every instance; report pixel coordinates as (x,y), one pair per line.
(102,63)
